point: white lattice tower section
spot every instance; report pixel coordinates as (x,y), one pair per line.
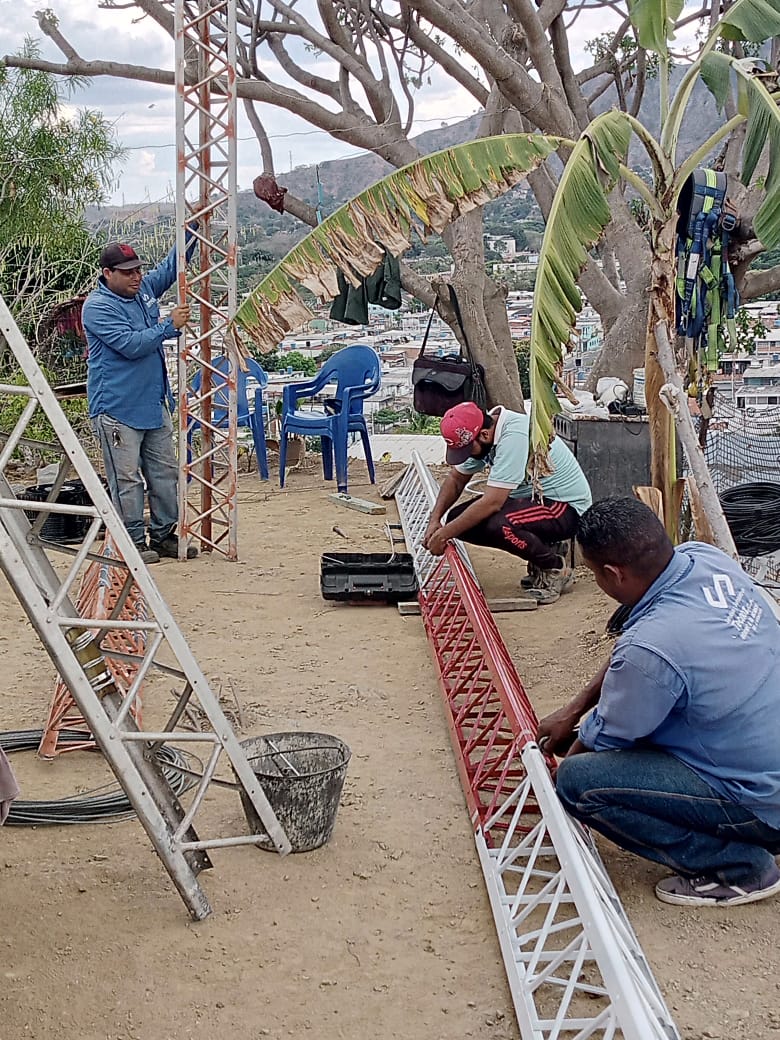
(206,192)
(80,638)
(109,593)
(574,965)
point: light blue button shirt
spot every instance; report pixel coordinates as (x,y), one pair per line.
(696,673)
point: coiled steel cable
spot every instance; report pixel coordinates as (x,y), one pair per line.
(104,804)
(752,512)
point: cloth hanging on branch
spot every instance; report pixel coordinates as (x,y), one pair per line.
(382,288)
(266,189)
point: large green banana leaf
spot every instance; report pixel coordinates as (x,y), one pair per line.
(579,214)
(760,108)
(424,196)
(753,20)
(654,21)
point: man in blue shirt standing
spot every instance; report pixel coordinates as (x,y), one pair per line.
(130,399)
(678,758)
(508,515)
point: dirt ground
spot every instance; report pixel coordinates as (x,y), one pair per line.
(386,932)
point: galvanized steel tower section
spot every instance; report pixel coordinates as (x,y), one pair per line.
(206,192)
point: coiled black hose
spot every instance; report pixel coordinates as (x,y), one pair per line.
(752,512)
(103,804)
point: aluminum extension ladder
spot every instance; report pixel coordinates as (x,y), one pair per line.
(574,965)
(74,644)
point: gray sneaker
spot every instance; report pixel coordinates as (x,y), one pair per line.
(532,578)
(551,585)
(703,891)
(562,549)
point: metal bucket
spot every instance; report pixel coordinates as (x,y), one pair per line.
(302,775)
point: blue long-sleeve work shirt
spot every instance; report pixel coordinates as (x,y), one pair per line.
(127,378)
(696,673)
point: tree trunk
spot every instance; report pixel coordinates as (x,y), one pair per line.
(674,397)
(624,344)
(663,462)
(483,309)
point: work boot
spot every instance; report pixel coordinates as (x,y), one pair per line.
(148,555)
(169,547)
(551,585)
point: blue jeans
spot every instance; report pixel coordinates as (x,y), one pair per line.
(133,457)
(651,804)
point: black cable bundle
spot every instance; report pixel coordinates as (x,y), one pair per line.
(752,512)
(98,806)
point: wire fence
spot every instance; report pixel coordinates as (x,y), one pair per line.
(743,447)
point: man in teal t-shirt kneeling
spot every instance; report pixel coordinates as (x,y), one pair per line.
(508,515)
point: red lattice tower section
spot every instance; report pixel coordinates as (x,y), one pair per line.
(490,717)
(108,592)
(574,965)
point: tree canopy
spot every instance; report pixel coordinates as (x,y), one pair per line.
(357,68)
(52,165)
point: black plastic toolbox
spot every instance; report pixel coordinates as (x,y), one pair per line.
(364,577)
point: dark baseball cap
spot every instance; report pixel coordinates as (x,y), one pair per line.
(118,256)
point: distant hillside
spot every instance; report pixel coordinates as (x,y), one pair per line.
(265,236)
(341,179)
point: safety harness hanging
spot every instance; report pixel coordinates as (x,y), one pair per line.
(706,297)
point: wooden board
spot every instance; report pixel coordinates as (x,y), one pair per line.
(361,504)
(388,489)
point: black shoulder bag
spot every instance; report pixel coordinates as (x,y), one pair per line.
(441,382)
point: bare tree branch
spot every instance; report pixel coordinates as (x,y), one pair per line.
(90,69)
(639,82)
(306,79)
(444,59)
(538,48)
(49,25)
(607,61)
(560,43)
(541,104)
(255,122)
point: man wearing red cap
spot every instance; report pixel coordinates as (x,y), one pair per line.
(508,515)
(130,399)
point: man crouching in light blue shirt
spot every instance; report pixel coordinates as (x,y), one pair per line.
(509,515)
(678,758)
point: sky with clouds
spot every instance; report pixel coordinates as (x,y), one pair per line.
(143,114)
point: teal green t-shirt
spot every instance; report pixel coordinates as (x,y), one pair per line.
(508,460)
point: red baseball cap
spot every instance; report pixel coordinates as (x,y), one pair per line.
(118,256)
(460,427)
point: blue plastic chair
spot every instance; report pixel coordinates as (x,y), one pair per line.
(248,418)
(357,375)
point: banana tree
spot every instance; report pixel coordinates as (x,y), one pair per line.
(429,194)
(423,197)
